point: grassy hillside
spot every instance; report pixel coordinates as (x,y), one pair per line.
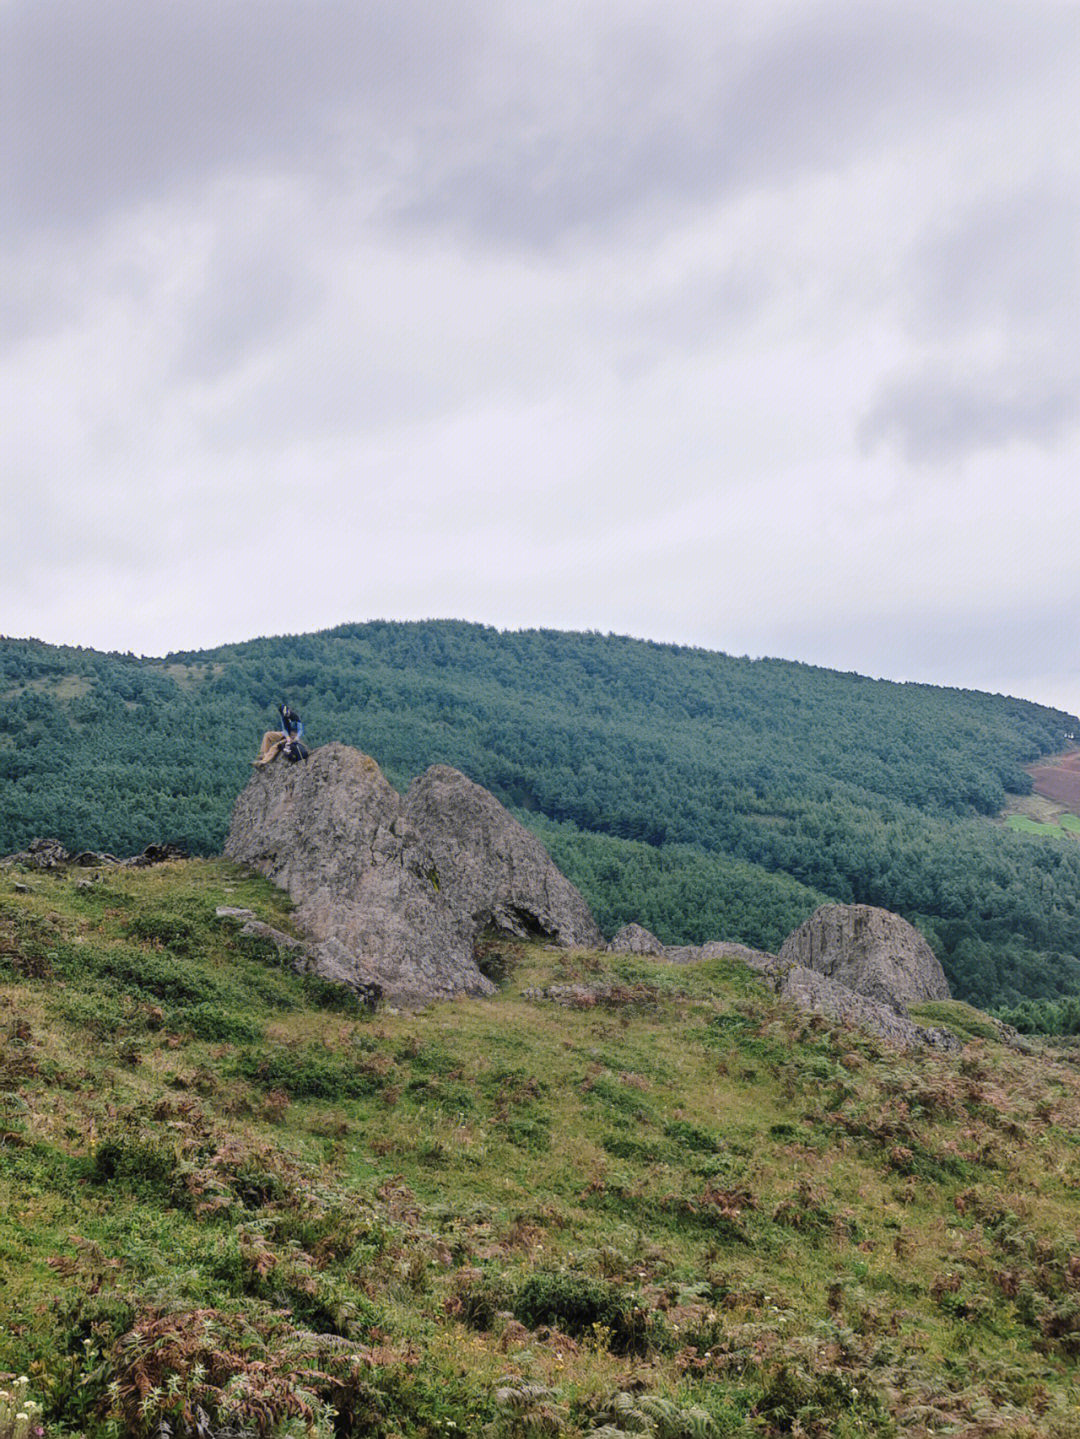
(704,795)
(676,1209)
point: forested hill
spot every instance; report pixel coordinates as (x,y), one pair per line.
(704,795)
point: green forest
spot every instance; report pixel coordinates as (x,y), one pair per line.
(706,796)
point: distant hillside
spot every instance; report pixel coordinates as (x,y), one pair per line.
(232,1203)
(704,795)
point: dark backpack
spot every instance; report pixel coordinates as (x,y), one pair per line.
(293,750)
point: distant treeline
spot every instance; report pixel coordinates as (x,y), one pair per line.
(704,795)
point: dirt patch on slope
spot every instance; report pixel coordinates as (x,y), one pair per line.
(1058,779)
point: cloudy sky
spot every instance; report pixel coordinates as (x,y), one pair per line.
(746,325)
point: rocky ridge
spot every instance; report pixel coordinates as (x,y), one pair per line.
(395,895)
(51,854)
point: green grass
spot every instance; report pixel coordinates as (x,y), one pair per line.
(962,1019)
(684,1209)
(1053,826)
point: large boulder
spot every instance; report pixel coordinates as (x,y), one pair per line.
(869,950)
(491,869)
(395,891)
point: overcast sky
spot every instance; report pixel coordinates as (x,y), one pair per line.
(746,325)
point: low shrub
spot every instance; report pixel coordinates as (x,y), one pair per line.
(211,1022)
(307,1073)
(145,1163)
(579,1305)
(170,931)
(796,1400)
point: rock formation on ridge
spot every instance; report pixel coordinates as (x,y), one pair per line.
(393,890)
(869,950)
(852,963)
(810,990)
(635,939)
(51,854)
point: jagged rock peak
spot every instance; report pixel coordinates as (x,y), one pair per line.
(396,891)
(869,950)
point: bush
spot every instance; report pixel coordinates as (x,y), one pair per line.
(579,1305)
(337,998)
(308,1074)
(145,1163)
(169,930)
(796,1401)
(209,1021)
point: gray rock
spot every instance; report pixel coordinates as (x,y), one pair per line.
(490,867)
(257,929)
(51,854)
(635,939)
(395,892)
(719,949)
(873,952)
(229,911)
(41,854)
(816,992)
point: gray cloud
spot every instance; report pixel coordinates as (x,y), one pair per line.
(254,291)
(1009,260)
(519,126)
(935,418)
(112,104)
(656,114)
(1001,275)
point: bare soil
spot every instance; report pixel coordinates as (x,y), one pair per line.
(1058,779)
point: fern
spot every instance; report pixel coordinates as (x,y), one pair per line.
(650,1414)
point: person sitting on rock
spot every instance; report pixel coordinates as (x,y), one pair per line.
(293,727)
(285,741)
(273,742)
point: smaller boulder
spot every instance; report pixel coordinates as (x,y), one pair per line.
(871,951)
(720,949)
(635,939)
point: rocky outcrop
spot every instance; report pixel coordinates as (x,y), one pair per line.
(869,950)
(396,891)
(635,939)
(719,949)
(852,963)
(51,854)
(489,867)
